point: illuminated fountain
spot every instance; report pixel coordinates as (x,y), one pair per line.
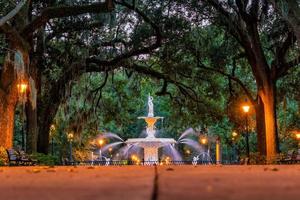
(150,144)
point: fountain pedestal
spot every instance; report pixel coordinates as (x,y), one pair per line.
(151,154)
(151,146)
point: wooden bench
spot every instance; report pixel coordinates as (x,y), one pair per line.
(297,157)
(13,157)
(291,157)
(19,158)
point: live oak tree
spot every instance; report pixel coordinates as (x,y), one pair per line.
(21,27)
(58,24)
(246,21)
(290,11)
(58,47)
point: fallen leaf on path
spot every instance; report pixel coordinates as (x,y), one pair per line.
(272,169)
(170,169)
(71,170)
(51,170)
(36,170)
(91,167)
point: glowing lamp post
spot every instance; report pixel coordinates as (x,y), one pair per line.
(203,140)
(70,139)
(135,159)
(101,142)
(110,151)
(246,109)
(188,152)
(234,135)
(22,90)
(297,134)
(52,131)
(218,151)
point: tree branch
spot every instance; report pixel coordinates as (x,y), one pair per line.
(15,38)
(65,11)
(282,71)
(100,88)
(133,52)
(145,18)
(12,13)
(184,89)
(72,27)
(234,78)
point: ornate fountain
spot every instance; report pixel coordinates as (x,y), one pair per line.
(150,144)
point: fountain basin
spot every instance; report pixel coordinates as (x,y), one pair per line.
(151,146)
(150,142)
(150,120)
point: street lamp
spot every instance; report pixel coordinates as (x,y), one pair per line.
(297,134)
(246,109)
(52,131)
(188,152)
(203,140)
(101,142)
(22,90)
(70,136)
(234,135)
(110,151)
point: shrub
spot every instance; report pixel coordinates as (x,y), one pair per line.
(3,156)
(45,159)
(81,155)
(256,158)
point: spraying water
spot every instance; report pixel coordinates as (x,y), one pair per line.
(147,147)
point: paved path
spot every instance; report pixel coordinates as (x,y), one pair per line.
(161,183)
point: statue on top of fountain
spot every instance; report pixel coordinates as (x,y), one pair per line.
(150,119)
(150,106)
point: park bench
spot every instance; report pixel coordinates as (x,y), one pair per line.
(287,159)
(25,159)
(297,157)
(13,157)
(19,158)
(291,157)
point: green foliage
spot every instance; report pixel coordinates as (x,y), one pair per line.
(187,94)
(45,159)
(3,156)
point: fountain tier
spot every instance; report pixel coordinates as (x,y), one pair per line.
(151,146)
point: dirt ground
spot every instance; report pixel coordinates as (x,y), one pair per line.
(265,182)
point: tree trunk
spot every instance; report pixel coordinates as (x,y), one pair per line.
(44,126)
(8,101)
(260,127)
(267,94)
(31,109)
(7,113)
(31,115)
(46,116)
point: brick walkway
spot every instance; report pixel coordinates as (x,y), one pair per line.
(163,183)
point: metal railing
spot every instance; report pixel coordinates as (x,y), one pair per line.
(142,163)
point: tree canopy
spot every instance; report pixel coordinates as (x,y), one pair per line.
(91,64)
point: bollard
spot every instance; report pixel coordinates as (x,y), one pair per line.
(218,151)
